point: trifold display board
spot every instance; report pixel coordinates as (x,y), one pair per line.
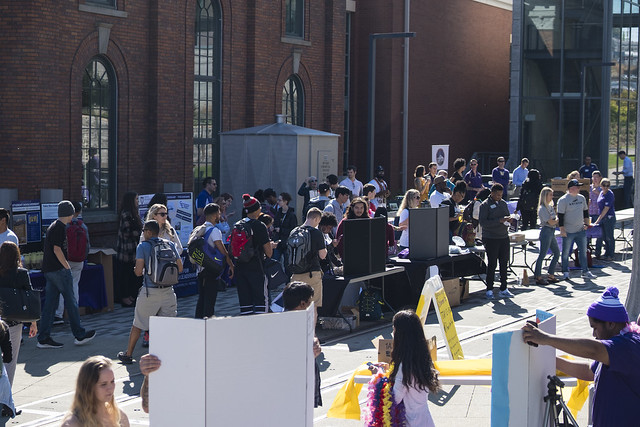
(519,376)
(234,371)
(365,246)
(428,233)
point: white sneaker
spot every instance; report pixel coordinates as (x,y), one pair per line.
(588,275)
(565,275)
(505,294)
(489,294)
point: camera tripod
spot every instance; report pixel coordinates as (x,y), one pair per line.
(555,404)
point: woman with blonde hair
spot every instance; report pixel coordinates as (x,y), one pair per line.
(548,223)
(94,403)
(160,213)
(420,183)
(410,200)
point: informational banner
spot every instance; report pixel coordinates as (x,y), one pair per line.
(49,213)
(440,155)
(433,291)
(180,207)
(26,222)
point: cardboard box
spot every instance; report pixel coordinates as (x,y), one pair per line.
(385,347)
(560,186)
(104,256)
(516,237)
(453,291)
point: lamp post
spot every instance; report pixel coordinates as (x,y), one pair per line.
(372,92)
(583,96)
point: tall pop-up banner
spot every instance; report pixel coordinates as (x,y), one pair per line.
(519,376)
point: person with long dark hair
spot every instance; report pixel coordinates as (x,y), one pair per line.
(129,232)
(412,374)
(528,200)
(358,209)
(285,221)
(12,275)
(94,403)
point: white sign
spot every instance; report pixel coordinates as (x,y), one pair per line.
(233,371)
(440,155)
(180,207)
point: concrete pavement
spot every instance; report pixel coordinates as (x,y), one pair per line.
(45,378)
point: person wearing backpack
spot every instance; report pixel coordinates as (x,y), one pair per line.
(77,251)
(249,245)
(305,249)
(159,262)
(528,200)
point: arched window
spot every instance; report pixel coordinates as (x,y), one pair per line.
(98,134)
(206,96)
(293,101)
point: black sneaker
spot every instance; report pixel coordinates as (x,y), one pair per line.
(58,321)
(49,343)
(88,336)
(127,360)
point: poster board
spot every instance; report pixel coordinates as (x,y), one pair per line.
(26,223)
(433,292)
(49,214)
(440,155)
(180,208)
(519,376)
(233,371)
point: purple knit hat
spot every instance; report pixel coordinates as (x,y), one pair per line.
(608,307)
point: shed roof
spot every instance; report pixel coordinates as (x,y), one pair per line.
(278,129)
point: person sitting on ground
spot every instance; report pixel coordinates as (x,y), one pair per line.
(411,200)
(94,402)
(298,296)
(356,210)
(615,352)
(153,299)
(439,195)
(455,212)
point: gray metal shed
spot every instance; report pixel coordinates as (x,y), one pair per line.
(277,155)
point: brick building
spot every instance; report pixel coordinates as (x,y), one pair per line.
(458,82)
(99,97)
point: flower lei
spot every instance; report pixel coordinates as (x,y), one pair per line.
(382,411)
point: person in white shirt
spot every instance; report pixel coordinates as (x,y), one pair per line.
(411,200)
(382,189)
(439,195)
(6,235)
(352,183)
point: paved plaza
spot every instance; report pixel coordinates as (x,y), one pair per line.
(45,378)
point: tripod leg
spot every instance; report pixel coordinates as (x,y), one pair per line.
(567,414)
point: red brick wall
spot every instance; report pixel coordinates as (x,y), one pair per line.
(45,46)
(458,82)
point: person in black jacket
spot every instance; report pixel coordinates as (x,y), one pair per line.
(12,275)
(528,201)
(284,222)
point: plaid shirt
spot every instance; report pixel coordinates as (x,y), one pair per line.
(128,237)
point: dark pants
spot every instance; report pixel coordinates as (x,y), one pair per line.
(497,250)
(207,295)
(59,283)
(252,291)
(128,283)
(628,192)
(529,219)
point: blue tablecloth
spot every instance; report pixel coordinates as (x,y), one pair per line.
(92,287)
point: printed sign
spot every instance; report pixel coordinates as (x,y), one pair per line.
(26,221)
(433,291)
(180,207)
(440,155)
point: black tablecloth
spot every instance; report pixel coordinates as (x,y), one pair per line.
(451,266)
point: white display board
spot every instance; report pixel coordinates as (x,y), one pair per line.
(180,208)
(519,376)
(440,155)
(233,371)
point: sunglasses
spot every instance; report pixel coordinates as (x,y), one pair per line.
(474,164)
(161,213)
(500,161)
(605,185)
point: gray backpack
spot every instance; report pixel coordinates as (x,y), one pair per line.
(298,250)
(162,267)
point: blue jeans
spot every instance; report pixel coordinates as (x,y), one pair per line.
(608,225)
(547,241)
(59,282)
(567,244)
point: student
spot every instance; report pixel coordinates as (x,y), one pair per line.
(356,210)
(548,223)
(410,200)
(153,300)
(94,403)
(369,191)
(615,352)
(57,271)
(412,374)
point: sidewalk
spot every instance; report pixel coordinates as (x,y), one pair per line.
(45,378)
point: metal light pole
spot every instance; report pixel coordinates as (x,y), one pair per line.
(583,96)
(372,91)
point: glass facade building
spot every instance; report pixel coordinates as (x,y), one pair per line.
(574,83)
